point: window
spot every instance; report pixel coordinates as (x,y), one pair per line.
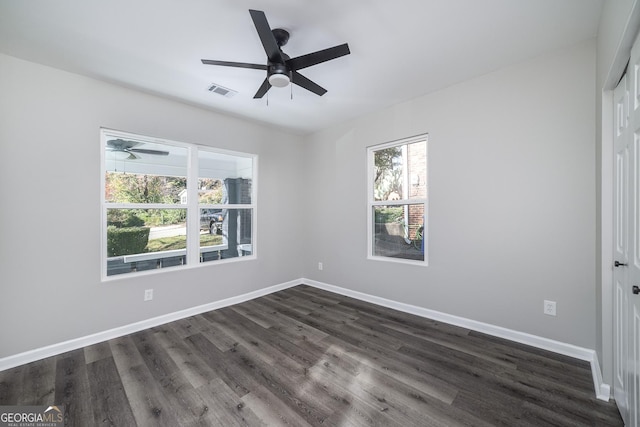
(397,213)
(169,204)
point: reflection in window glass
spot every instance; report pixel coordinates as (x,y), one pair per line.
(144,172)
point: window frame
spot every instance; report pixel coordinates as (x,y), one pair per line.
(372,202)
(193,249)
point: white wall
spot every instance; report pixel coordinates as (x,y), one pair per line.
(50,217)
(511,199)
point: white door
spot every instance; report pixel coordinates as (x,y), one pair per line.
(627,243)
(633,288)
(621,248)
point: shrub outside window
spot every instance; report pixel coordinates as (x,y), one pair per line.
(397,199)
(170,204)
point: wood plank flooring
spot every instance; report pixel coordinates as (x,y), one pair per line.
(304,356)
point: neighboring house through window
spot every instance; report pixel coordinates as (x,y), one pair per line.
(397,199)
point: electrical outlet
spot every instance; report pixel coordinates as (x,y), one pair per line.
(550,308)
(320,266)
(148,294)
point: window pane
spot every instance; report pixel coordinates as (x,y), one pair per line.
(144,172)
(211,191)
(389,174)
(400,172)
(144,239)
(211,222)
(416,161)
(224,178)
(398,231)
(228,236)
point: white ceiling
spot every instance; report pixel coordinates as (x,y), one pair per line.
(399,49)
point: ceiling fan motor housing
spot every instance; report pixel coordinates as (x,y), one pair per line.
(281,36)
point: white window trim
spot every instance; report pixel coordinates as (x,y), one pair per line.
(193,250)
(371,202)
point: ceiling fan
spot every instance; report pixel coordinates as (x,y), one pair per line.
(124,146)
(282,70)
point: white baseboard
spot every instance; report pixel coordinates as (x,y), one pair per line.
(602,390)
(59,348)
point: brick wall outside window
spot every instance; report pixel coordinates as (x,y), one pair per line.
(417,170)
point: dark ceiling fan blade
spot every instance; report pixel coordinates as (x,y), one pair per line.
(263,89)
(304,82)
(318,57)
(146,151)
(266,36)
(234,64)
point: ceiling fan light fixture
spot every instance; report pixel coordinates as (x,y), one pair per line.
(279,80)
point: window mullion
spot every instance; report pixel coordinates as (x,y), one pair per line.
(400,202)
(193,211)
(143,206)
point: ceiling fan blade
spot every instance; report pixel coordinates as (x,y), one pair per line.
(314,58)
(263,89)
(132,156)
(234,64)
(146,151)
(266,36)
(304,82)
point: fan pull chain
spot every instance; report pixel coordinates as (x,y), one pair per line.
(290,84)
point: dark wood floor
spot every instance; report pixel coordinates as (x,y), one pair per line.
(304,356)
